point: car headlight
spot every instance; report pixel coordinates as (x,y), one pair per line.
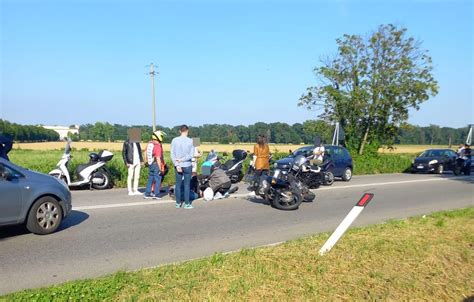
(413,161)
(275,165)
(434,161)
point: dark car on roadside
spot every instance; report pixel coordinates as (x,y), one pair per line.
(434,161)
(36,200)
(342,165)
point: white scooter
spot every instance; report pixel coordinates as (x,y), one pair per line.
(94,173)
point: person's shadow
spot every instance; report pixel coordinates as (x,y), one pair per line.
(74,218)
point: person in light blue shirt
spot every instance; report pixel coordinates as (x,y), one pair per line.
(182,153)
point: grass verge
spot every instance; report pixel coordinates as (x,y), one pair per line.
(428,258)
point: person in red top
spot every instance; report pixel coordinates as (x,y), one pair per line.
(156,163)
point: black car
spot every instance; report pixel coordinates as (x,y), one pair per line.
(341,160)
(434,161)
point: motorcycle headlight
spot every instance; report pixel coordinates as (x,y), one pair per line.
(434,161)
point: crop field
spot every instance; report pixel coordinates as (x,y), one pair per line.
(117,146)
(206,147)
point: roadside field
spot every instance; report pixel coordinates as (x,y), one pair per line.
(117,146)
(205,147)
(423,258)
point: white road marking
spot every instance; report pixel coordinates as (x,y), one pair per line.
(383,183)
(166,201)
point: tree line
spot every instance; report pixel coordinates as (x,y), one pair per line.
(278,133)
(27,133)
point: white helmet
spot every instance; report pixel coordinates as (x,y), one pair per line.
(158,135)
(208,194)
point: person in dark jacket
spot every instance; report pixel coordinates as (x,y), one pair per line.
(133,159)
(6,144)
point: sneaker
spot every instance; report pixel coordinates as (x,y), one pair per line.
(188,206)
(148,196)
(178,205)
(156,197)
(131,194)
(136,193)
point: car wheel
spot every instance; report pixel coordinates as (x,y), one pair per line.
(45,216)
(440,169)
(347,175)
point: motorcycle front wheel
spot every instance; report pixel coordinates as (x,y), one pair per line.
(105,180)
(287,200)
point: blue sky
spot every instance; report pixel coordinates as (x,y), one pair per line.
(237,62)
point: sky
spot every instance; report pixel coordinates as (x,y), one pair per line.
(234,62)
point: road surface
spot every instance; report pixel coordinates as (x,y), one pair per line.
(109,231)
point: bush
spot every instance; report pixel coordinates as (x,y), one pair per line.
(382,163)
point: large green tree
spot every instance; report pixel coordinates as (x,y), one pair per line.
(370,85)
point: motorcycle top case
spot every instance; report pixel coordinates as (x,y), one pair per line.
(105,155)
(239,154)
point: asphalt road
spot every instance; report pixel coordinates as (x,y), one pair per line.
(109,231)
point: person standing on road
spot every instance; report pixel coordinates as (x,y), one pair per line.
(261,156)
(132,156)
(182,153)
(156,165)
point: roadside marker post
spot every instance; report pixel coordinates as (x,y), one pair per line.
(346,223)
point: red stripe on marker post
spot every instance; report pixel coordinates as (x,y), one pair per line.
(366,198)
(346,222)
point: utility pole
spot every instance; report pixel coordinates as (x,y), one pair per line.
(152,76)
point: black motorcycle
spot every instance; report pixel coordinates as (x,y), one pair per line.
(284,191)
(233,167)
(462,165)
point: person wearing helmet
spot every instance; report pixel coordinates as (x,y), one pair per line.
(133,159)
(156,165)
(318,152)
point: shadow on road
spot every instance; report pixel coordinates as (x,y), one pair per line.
(461,178)
(74,218)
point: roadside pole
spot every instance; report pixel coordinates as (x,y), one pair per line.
(152,76)
(346,223)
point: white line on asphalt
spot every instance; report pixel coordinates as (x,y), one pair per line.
(120,205)
(148,203)
(383,183)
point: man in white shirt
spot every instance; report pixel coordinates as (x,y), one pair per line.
(318,152)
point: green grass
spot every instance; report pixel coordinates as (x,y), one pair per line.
(411,259)
(45,160)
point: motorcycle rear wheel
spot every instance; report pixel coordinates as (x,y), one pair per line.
(106,184)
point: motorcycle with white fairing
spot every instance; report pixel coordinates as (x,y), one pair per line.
(94,173)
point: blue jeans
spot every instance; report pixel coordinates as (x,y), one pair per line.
(186,178)
(154,176)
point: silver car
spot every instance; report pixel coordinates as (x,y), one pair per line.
(37,200)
